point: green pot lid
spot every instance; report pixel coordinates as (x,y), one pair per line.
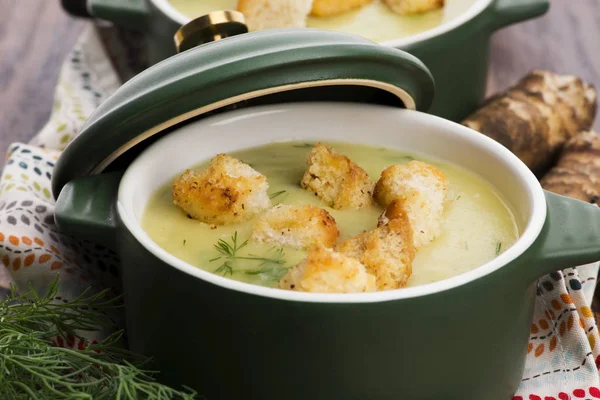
(275,66)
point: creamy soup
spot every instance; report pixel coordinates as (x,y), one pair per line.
(374,21)
(477,224)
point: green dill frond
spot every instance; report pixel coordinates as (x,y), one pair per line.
(303,145)
(31,367)
(271,266)
(276,194)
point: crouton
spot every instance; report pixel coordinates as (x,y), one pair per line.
(394,210)
(406,7)
(387,252)
(336,179)
(296,226)
(272,14)
(329,8)
(228,191)
(326,271)
(422,189)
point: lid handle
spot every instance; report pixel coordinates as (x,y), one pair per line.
(209,28)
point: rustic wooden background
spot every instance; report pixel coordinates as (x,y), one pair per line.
(35,36)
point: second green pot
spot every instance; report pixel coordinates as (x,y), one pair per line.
(456,53)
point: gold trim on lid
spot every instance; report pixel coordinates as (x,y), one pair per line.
(209,28)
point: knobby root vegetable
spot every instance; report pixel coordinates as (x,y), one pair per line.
(535,118)
(577,173)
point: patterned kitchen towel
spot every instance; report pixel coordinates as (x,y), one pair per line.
(564,346)
(31,248)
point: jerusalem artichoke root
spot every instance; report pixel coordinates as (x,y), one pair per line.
(577,173)
(536,117)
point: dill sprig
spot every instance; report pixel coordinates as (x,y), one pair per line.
(31,367)
(271,273)
(276,194)
(32,312)
(229,251)
(271,266)
(498,248)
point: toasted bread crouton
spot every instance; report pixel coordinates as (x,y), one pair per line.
(422,189)
(406,7)
(336,179)
(296,226)
(272,14)
(326,271)
(228,191)
(329,8)
(387,252)
(394,210)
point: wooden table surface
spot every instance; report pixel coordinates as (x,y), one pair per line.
(36,35)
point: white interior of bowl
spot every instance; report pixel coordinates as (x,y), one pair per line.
(405,130)
(166,8)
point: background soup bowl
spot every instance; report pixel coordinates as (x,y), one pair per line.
(455,52)
(461,338)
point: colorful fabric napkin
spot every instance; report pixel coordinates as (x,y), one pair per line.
(564,347)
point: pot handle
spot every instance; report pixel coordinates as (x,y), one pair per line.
(77,8)
(86,208)
(130,13)
(507,12)
(570,237)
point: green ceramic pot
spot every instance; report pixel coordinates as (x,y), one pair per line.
(461,338)
(455,52)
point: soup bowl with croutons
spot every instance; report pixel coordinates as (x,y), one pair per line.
(331,251)
(452,37)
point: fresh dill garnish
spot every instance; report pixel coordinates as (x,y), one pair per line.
(466,246)
(229,251)
(271,265)
(277,194)
(270,273)
(263,259)
(498,247)
(33,367)
(303,145)
(458,197)
(225,269)
(271,268)
(184,241)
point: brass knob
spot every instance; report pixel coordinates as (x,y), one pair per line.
(209,28)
